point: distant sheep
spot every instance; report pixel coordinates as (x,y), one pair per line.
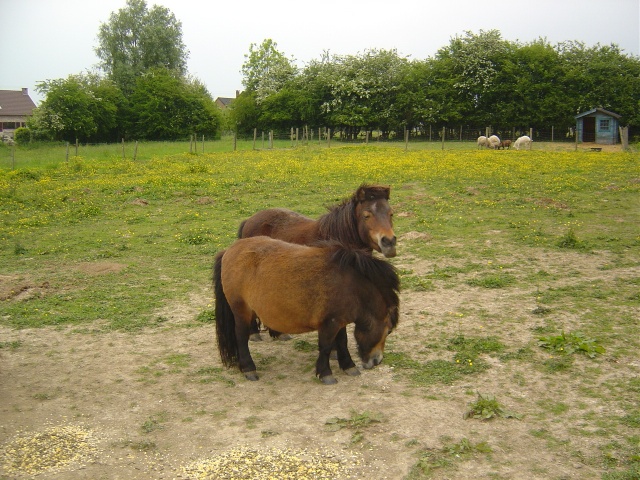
(494,142)
(505,144)
(483,141)
(523,142)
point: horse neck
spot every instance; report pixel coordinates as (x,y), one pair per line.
(341,224)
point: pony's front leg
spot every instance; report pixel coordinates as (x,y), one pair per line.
(344,357)
(245,362)
(326,342)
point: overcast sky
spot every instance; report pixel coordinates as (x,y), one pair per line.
(50,39)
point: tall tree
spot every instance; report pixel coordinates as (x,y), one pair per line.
(137,39)
(266,70)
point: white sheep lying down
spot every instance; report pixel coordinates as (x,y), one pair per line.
(494,142)
(523,142)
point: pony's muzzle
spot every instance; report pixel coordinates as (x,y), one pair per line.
(388,246)
(375,359)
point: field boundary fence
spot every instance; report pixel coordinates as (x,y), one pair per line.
(429,138)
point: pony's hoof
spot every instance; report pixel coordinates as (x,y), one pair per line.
(253,376)
(328,380)
(352,372)
(284,337)
(255,337)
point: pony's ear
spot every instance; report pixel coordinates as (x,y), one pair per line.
(361,194)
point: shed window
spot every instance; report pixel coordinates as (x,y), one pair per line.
(605,125)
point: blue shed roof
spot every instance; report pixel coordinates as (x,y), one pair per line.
(601,110)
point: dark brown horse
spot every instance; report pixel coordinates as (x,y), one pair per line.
(363,221)
(297,289)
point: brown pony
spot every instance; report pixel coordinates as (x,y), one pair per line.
(297,289)
(363,221)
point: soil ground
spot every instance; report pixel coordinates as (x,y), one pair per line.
(154,402)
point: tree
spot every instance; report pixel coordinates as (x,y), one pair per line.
(473,63)
(136,39)
(79,107)
(168,107)
(266,70)
(601,76)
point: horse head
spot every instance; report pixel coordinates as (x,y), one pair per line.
(372,337)
(375,219)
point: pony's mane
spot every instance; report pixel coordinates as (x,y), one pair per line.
(340,221)
(381,273)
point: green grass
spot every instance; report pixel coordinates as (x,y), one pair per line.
(537,243)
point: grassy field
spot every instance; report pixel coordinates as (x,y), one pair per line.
(553,235)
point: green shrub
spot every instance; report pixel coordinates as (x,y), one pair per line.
(22,135)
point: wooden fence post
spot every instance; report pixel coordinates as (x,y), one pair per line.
(135,151)
(235,141)
(406,139)
(328,137)
(624,137)
(76,147)
(270,138)
(531,137)
(443,134)
(255,136)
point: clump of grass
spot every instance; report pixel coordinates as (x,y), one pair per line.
(206,316)
(568,343)
(357,422)
(154,422)
(418,283)
(570,241)
(304,346)
(466,361)
(434,459)
(486,408)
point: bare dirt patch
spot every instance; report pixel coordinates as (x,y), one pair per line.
(157,403)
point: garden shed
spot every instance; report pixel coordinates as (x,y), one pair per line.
(598,125)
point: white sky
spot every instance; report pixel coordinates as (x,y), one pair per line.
(51,39)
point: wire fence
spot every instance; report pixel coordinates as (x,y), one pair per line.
(430,138)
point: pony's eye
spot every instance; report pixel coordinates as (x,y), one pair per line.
(367,215)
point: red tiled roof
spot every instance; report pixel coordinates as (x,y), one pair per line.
(15,103)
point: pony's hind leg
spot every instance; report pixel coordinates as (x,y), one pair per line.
(245,362)
(344,357)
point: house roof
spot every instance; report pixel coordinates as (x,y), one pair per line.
(225,101)
(15,103)
(599,110)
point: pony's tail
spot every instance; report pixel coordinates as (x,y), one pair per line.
(225,321)
(241,228)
